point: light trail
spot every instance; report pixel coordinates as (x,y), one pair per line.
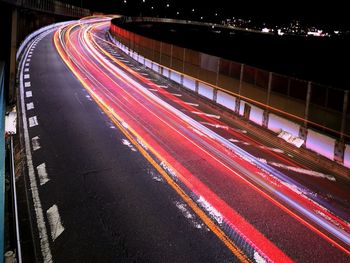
(125,100)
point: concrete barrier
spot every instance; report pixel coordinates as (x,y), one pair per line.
(347,156)
(320,143)
(148,63)
(189,83)
(175,76)
(256,114)
(205,91)
(166,72)
(155,67)
(277,123)
(226,100)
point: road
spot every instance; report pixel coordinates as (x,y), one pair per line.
(122,165)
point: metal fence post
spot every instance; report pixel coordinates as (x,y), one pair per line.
(171,55)
(238,100)
(303,128)
(268,95)
(183,61)
(217,72)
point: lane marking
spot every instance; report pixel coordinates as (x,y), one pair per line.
(176,94)
(26,70)
(29,94)
(30,55)
(30,105)
(28,60)
(44,241)
(27,84)
(163,86)
(55,222)
(35,143)
(42,173)
(153,89)
(219,126)
(33,121)
(206,114)
(26,76)
(192,104)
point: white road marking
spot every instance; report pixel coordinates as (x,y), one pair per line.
(26,70)
(42,173)
(26,76)
(35,143)
(30,55)
(29,94)
(30,105)
(163,86)
(28,60)
(44,241)
(206,114)
(192,104)
(219,126)
(27,84)
(33,121)
(153,89)
(55,222)
(176,94)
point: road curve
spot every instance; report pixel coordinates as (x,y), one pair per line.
(132,163)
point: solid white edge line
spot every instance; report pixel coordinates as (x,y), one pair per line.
(44,240)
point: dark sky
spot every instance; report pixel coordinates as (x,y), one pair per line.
(332,13)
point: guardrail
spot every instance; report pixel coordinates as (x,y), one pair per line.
(259,113)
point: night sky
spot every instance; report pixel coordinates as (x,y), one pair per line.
(329,13)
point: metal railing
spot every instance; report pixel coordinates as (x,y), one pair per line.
(308,103)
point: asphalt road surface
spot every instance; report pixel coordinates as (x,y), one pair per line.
(124,166)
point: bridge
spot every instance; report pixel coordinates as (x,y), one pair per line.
(122,155)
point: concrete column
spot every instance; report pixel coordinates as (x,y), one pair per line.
(12,66)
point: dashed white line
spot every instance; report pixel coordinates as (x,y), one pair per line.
(35,143)
(206,114)
(176,94)
(29,94)
(28,59)
(26,76)
(42,173)
(163,86)
(27,84)
(30,55)
(44,241)
(192,104)
(54,218)
(33,121)
(26,70)
(153,89)
(30,105)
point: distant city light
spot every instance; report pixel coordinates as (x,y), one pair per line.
(177,12)
(167,5)
(124,1)
(201,18)
(265,30)
(192,9)
(152,7)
